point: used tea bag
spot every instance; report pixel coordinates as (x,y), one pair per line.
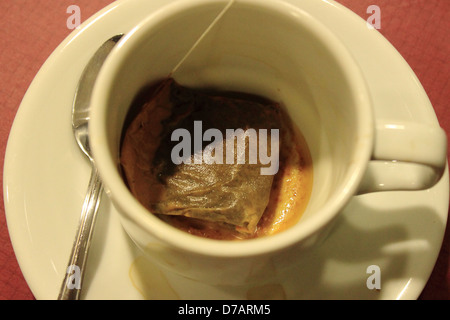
(189,185)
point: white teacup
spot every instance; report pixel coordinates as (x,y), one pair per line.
(276,50)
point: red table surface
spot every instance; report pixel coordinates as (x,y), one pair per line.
(31,30)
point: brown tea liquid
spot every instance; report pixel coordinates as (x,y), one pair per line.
(291,187)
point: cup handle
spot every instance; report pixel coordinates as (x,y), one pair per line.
(406,156)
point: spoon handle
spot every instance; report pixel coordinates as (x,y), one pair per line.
(71,286)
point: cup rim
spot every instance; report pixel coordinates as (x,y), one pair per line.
(130,208)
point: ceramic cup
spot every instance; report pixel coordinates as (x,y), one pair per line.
(276,50)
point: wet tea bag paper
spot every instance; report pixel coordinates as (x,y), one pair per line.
(194,184)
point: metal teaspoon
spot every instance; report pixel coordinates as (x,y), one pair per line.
(72,284)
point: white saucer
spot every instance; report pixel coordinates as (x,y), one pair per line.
(46,175)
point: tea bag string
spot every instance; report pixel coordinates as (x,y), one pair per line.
(215,21)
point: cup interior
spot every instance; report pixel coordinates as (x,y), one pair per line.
(268,48)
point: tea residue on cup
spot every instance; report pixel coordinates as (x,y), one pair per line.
(181,158)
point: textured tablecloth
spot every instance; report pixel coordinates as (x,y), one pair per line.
(31,30)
